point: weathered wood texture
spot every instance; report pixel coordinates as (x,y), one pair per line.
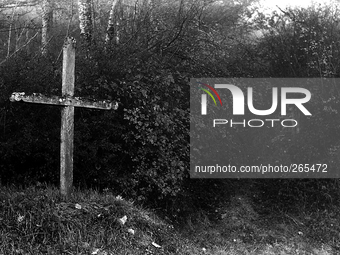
(67,119)
(67,116)
(38,98)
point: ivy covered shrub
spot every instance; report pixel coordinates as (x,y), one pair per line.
(145,149)
(141,149)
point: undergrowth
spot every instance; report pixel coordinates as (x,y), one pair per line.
(39,221)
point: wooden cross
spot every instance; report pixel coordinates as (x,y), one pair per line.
(68,101)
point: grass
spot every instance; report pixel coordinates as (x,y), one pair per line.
(38,221)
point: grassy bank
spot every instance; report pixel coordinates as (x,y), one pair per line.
(38,221)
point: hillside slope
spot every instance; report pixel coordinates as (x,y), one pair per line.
(38,221)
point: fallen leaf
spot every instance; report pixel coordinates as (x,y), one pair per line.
(95,251)
(156,245)
(122,220)
(131,231)
(21,218)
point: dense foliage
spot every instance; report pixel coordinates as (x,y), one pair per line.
(142,149)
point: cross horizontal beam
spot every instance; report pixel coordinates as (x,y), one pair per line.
(38,98)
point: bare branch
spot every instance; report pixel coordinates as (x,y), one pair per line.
(19,48)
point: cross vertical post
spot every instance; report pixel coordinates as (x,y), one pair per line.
(67,101)
(67,119)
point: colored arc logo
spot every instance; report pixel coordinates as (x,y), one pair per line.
(215,92)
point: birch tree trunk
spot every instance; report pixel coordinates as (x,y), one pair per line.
(47,20)
(111,32)
(85,21)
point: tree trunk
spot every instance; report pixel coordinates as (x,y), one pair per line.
(47,20)
(85,21)
(10,31)
(111,34)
